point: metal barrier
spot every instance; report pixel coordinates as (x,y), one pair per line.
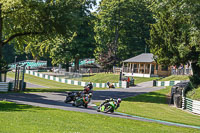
(191,105)
(6,86)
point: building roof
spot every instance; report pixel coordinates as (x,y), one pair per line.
(145,57)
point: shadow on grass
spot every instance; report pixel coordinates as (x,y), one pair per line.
(89,75)
(47,100)
(10,106)
(151,97)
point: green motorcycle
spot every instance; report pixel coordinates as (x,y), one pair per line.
(82,101)
(108,107)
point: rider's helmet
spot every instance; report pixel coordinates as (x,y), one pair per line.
(119,100)
(90,95)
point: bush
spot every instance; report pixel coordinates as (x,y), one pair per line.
(195,80)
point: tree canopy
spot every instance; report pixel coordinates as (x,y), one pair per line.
(175,37)
(123,26)
(28,22)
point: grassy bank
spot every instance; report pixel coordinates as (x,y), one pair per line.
(154,105)
(23,118)
(194,94)
(113,78)
(175,77)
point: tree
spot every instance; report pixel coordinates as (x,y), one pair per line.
(124,26)
(32,21)
(175,37)
(80,44)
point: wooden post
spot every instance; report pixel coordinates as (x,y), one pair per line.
(144,68)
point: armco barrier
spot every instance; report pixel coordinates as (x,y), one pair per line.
(191,105)
(68,81)
(4,86)
(166,83)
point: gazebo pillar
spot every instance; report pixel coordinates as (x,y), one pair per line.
(144,67)
(133,69)
(130,67)
(150,69)
(139,68)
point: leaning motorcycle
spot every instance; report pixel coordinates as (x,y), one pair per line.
(107,107)
(71,96)
(82,101)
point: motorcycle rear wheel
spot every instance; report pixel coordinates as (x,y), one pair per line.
(68,99)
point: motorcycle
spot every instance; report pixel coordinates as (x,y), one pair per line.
(71,96)
(83,101)
(108,107)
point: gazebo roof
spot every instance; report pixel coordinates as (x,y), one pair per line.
(145,57)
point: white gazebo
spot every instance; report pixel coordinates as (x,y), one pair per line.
(143,65)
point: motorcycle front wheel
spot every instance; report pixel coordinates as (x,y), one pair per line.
(108,108)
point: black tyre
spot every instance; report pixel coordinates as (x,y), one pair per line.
(86,105)
(68,99)
(108,108)
(178,100)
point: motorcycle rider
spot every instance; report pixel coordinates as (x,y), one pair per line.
(117,102)
(88,88)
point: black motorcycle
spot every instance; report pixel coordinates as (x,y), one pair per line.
(71,96)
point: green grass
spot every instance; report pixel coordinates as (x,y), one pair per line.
(194,94)
(27,119)
(175,77)
(113,78)
(154,105)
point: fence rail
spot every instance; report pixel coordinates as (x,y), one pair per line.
(181,71)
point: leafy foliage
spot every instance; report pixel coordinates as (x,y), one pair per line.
(175,35)
(122,25)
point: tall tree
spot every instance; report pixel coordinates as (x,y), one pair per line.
(80,44)
(31,21)
(175,37)
(124,25)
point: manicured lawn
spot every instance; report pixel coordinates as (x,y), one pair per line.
(27,119)
(194,94)
(113,78)
(154,105)
(175,77)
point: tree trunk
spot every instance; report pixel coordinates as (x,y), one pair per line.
(1,30)
(195,79)
(76,64)
(67,66)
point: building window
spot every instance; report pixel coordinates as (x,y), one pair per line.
(164,68)
(156,66)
